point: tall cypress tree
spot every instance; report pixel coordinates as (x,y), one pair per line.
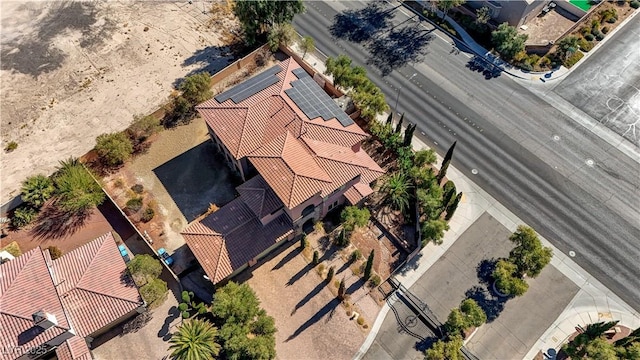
(399,126)
(445,163)
(342,290)
(451,209)
(389,119)
(448,196)
(369,265)
(408,135)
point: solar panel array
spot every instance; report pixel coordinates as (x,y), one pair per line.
(313,101)
(252,86)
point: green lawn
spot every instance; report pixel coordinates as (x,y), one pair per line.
(582,4)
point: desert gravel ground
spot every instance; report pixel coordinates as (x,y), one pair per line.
(71,71)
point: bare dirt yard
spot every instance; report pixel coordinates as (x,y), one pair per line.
(71,71)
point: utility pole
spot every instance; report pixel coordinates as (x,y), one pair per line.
(395,108)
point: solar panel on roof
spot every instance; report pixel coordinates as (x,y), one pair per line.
(299,72)
(250,87)
(313,101)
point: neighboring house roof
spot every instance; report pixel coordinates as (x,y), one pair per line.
(94,285)
(25,288)
(297,156)
(85,289)
(259,196)
(229,238)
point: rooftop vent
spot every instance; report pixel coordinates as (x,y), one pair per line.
(44,319)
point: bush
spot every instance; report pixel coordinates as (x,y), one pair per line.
(12,145)
(183,307)
(114,149)
(545,62)
(635,4)
(589,37)
(153,292)
(374,281)
(185,315)
(526,66)
(356,255)
(55,252)
(142,127)
(599,36)
(605,29)
(144,268)
(360,320)
(12,249)
(585,45)
(573,59)
(148,214)
(137,188)
(611,20)
(77,190)
(23,216)
(134,205)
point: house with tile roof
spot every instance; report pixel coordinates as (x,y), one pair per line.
(58,306)
(299,154)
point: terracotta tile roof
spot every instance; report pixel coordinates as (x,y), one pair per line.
(74,349)
(259,196)
(94,286)
(233,237)
(25,288)
(357,192)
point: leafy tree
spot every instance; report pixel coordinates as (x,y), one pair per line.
(408,135)
(507,280)
(446,5)
(449,350)
(631,351)
(456,323)
(451,208)
(369,265)
(353,217)
(246,331)
(195,340)
(178,110)
(632,337)
(196,88)
(445,162)
(307,44)
(483,15)
(142,128)
(144,268)
(370,100)
(153,292)
(37,189)
(433,230)
(529,255)
(114,149)
(257,17)
(567,46)
(507,40)
(76,189)
(473,313)
(601,349)
(425,157)
(280,34)
(430,200)
(396,188)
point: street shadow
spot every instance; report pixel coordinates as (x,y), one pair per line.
(316,290)
(491,304)
(328,309)
(173,314)
(484,67)
(196,179)
(398,48)
(361,25)
(293,253)
(485,269)
(55,223)
(427,343)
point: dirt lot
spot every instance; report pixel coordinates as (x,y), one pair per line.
(71,71)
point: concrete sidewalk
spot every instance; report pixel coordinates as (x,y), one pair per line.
(593,302)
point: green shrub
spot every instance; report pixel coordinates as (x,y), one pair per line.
(635,4)
(13,248)
(605,30)
(154,292)
(545,61)
(595,25)
(55,252)
(374,281)
(137,188)
(356,255)
(114,149)
(585,30)
(533,59)
(589,37)
(585,45)
(23,216)
(183,307)
(134,205)
(573,59)
(12,145)
(148,214)
(599,36)
(185,315)
(526,66)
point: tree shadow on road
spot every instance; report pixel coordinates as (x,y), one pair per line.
(398,48)
(328,309)
(361,25)
(491,304)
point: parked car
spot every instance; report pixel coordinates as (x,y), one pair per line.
(165,256)
(124,253)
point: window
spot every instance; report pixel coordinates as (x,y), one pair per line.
(331,206)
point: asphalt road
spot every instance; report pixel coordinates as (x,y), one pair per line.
(578,191)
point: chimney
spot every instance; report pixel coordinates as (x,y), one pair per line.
(44,319)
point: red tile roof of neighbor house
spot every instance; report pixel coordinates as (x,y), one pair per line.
(230,237)
(298,157)
(86,290)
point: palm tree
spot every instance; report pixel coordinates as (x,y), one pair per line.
(37,189)
(397,189)
(195,340)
